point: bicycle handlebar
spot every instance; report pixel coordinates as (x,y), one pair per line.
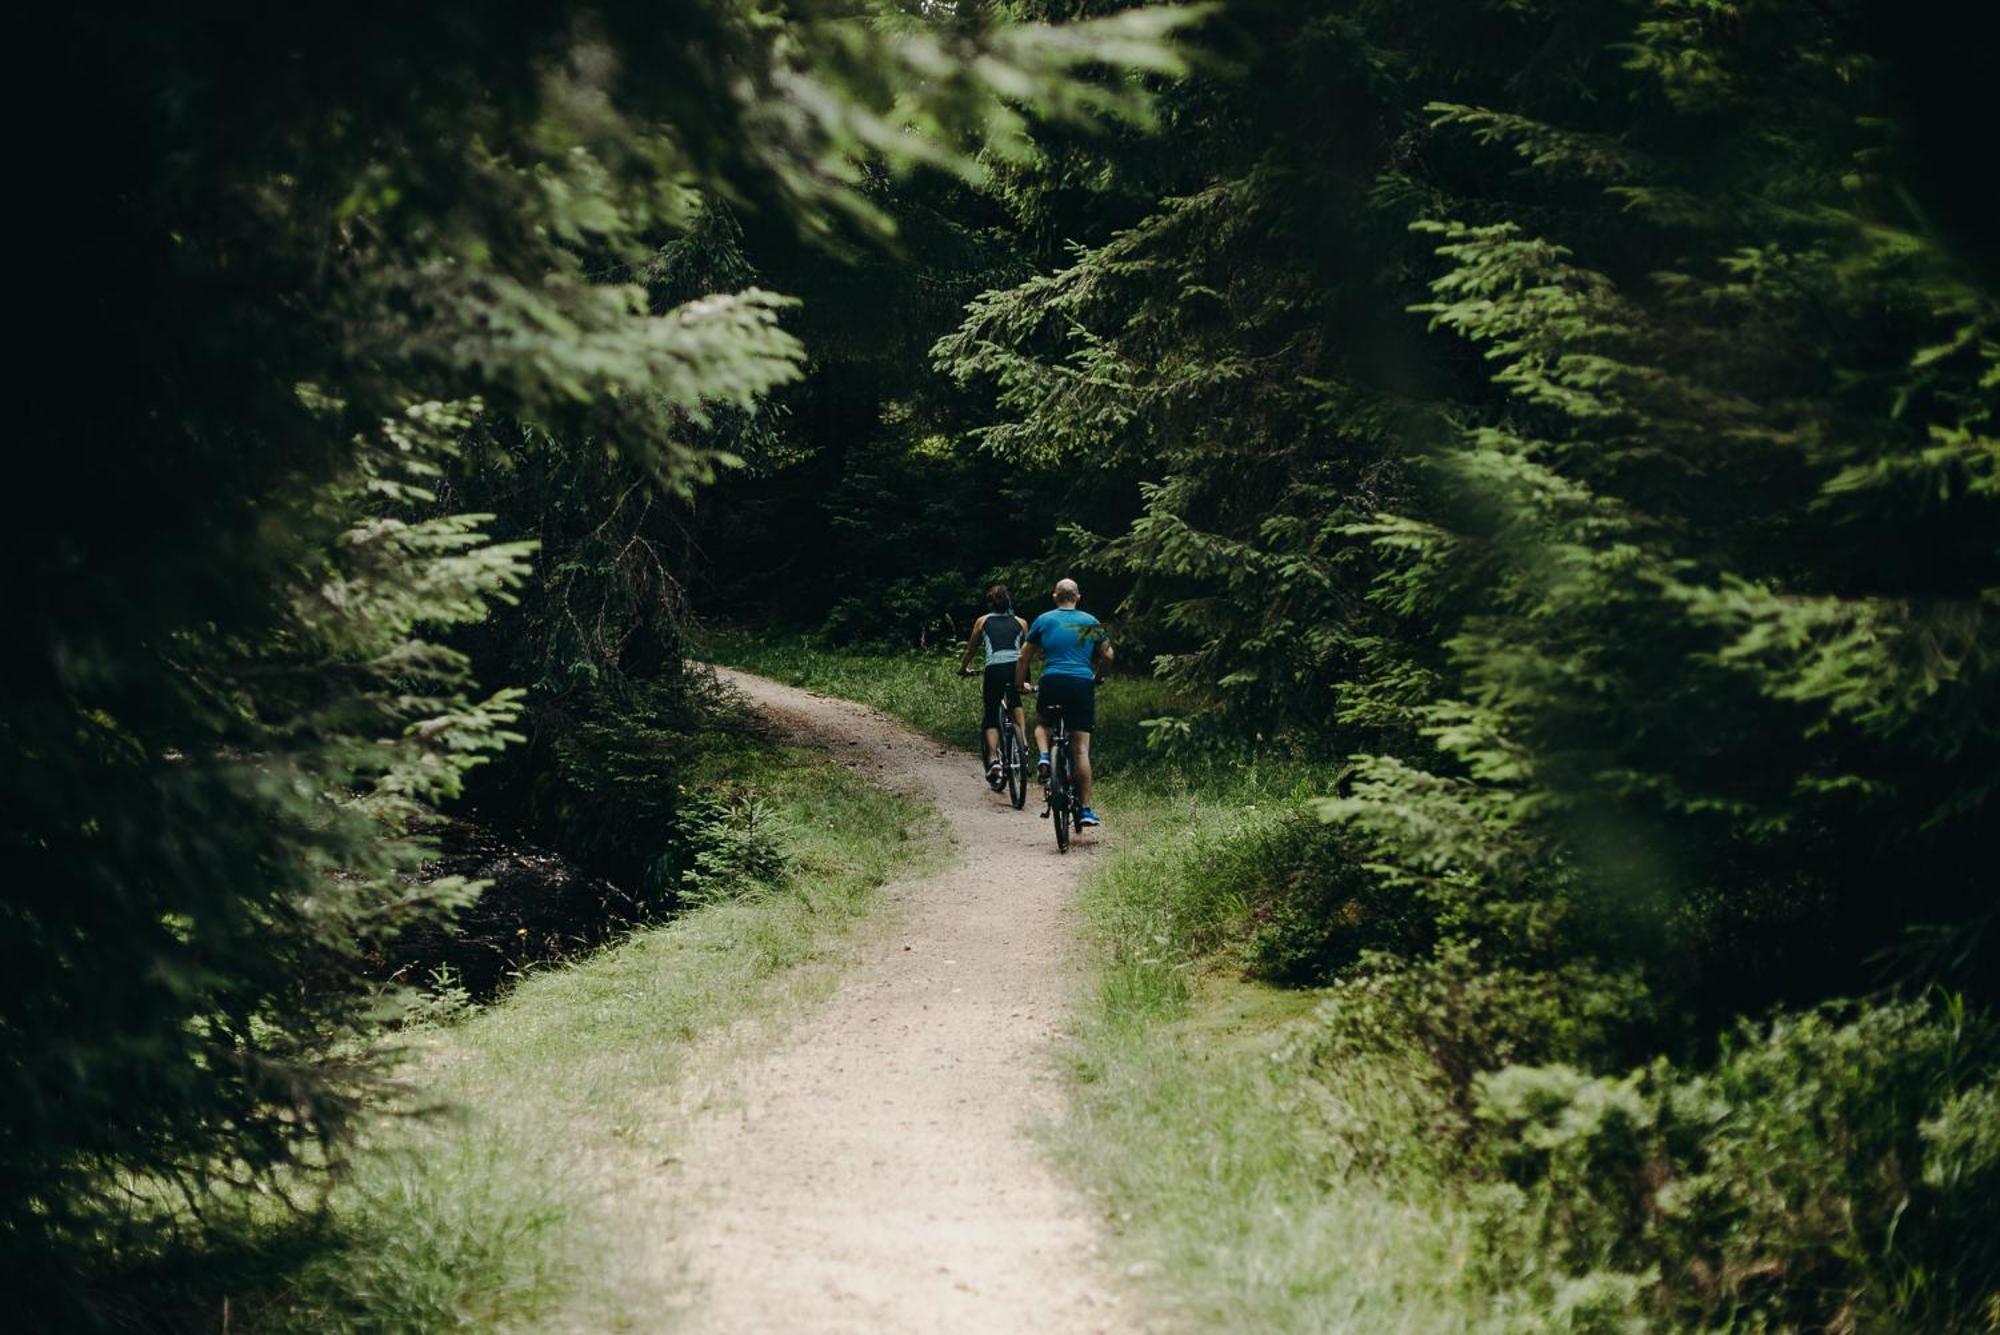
(1028,689)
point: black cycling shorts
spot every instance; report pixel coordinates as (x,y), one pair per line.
(1075,696)
(999,686)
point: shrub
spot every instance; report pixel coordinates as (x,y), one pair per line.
(606,778)
(1314,909)
(735,849)
(1579,1143)
(1836,1169)
(918,611)
(1468,1016)
(607,790)
(209,823)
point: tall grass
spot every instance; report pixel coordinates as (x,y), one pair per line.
(1227,1166)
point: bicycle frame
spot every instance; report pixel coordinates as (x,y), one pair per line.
(1013,756)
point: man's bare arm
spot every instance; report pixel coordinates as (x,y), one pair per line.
(1021,665)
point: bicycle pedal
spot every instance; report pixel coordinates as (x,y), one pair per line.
(1043,813)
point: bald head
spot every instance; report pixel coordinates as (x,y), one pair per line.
(1067,593)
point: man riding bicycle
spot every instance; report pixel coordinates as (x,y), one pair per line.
(1075,651)
(1001,632)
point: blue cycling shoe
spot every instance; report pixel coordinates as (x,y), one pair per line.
(1088,817)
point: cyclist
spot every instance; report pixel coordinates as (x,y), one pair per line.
(1075,651)
(1001,632)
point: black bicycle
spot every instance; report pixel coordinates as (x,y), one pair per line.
(1063,804)
(1012,776)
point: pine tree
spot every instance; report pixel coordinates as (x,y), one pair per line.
(1725,662)
(294,242)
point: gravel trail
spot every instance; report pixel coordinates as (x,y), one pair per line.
(875,1171)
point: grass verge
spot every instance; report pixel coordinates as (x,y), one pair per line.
(504,1208)
(1252,1188)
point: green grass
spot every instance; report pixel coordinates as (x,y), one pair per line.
(1245,1188)
(503,1210)
(924,690)
(1253,1189)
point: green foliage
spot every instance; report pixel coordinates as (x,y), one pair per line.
(1827,1168)
(1249,1193)
(870,520)
(928,610)
(206,836)
(1467,1014)
(430,1237)
(607,783)
(1651,586)
(1711,579)
(1826,1172)
(225,694)
(1573,413)
(1134,357)
(737,849)
(490,1212)
(1654,584)
(1301,909)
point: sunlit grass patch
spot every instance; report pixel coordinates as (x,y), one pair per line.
(1221,1184)
(1217,1156)
(923,689)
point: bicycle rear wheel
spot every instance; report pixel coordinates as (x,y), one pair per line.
(1059,794)
(1014,754)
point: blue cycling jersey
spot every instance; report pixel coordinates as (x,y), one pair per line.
(1068,640)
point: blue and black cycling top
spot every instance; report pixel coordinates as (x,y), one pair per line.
(1069,640)
(1002,637)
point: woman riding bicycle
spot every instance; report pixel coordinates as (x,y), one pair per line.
(1002,633)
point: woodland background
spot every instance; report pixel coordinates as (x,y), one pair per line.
(1564,429)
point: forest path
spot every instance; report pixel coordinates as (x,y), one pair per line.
(873,1171)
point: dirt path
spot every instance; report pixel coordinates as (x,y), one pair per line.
(875,1173)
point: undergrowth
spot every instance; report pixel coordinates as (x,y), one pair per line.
(1434,1139)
